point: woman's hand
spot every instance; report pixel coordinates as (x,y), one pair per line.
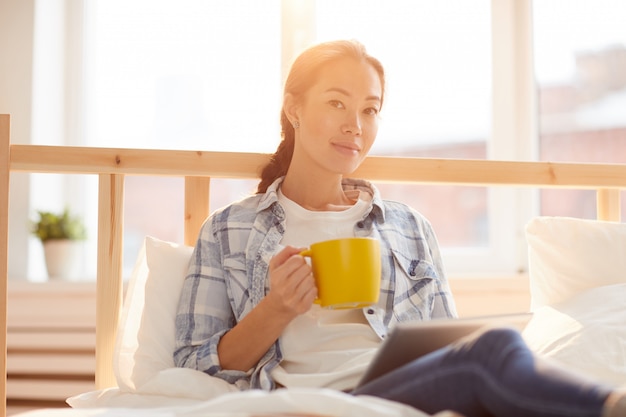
(292,287)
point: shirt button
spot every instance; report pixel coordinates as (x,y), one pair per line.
(360,225)
(370,311)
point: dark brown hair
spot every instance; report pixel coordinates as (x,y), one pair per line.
(301,77)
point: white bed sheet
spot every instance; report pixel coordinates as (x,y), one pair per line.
(283,402)
(586,333)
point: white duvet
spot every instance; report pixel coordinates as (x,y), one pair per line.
(292,403)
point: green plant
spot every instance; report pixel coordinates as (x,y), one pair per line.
(58,226)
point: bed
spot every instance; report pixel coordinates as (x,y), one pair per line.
(575,264)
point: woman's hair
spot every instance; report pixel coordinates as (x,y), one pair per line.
(302,76)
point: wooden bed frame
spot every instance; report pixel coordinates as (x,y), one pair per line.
(197,168)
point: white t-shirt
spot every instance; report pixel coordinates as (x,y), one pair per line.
(324,348)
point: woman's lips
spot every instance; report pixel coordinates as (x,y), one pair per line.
(347,148)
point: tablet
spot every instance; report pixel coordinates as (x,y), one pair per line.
(410,340)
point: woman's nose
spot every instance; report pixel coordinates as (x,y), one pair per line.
(352,125)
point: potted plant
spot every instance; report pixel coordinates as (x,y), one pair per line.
(60,234)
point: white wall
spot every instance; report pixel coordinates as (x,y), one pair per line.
(16,59)
(33,59)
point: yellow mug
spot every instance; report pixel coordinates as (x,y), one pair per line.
(346,272)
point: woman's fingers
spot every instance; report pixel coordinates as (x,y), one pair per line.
(288,262)
(291,281)
(282,256)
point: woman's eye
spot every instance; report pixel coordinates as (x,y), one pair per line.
(336,103)
(372,111)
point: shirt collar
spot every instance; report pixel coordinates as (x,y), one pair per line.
(378,209)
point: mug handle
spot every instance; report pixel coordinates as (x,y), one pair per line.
(307,253)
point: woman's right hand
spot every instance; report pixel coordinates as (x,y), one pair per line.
(292,286)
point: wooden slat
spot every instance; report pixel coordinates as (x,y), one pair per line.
(16,407)
(41,389)
(33,158)
(196,206)
(52,288)
(4,249)
(51,305)
(491,172)
(85,160)
(608,205)
(51,341)
(109,281)
(51,364)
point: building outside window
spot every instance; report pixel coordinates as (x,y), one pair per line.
(581,78)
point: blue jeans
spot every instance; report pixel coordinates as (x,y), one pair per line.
(490,373)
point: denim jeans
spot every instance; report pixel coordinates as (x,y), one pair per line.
(489,373)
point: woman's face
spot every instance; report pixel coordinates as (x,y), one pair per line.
(338,117)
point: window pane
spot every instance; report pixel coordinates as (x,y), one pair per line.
(185,74)
(580,57)
(438,61)
(153,206)
(458,214)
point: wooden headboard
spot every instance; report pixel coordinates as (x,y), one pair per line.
(198,167)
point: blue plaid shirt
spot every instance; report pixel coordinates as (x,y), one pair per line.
(228,276)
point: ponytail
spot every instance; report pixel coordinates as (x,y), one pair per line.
(280,160)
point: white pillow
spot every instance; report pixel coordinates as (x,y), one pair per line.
(146,333)
(143,357)
(568,255)
(586,333)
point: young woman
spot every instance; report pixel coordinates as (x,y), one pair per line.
(247,311)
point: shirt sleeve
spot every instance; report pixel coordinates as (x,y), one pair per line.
(204,312)
(444,305)
(417,279)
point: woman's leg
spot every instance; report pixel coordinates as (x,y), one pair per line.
(490,373)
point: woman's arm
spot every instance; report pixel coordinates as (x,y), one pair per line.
(204,311)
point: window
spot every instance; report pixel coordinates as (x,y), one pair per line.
(581,77)
(461,83)
(438,61)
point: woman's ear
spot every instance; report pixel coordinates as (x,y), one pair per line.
(291,108)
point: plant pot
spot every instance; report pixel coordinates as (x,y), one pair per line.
(63,259)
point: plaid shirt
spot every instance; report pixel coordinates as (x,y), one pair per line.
(228,276)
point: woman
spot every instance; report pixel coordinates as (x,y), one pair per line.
(247,311)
